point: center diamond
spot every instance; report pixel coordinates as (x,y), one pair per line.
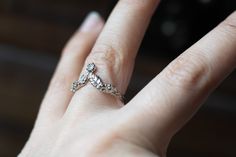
(91,67)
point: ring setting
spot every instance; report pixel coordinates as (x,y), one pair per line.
(96,81)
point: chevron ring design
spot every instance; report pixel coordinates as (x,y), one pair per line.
(96,81)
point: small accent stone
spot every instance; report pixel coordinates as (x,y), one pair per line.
(73,90)
(95,79)
(109,86)
(83,78)
(99,86)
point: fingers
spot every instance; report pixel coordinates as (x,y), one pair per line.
(58,95)
(164,105)
(115,50)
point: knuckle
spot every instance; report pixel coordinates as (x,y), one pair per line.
(187,72)
(229,24)
(108,57)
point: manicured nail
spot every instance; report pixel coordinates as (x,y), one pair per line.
(92,20)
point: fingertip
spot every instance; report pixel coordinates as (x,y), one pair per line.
(92,22)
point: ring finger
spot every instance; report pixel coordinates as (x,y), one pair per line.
(115,50)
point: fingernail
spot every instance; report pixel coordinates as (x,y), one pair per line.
(92,20)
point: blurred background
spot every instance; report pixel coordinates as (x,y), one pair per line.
(33,32)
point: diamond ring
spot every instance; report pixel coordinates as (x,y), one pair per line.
(96,81)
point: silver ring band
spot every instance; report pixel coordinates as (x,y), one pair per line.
(96,81)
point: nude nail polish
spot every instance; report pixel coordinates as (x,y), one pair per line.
(92,20)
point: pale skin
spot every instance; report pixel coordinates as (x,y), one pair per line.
(90,123)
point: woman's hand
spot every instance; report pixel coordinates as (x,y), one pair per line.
(94,124)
